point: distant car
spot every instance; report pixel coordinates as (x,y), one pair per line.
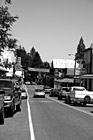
(54,92)
(2,106)
(39,93)
(23,94)
(12,96)
(27,83)
(63,92)
(47,89)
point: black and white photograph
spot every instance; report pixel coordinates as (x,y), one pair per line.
(46,69)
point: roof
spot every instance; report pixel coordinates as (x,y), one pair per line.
(87,76)
(65,80)
(64,63)
(38,70)
(6,79)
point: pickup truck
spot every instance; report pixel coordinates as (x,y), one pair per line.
(12,96)
(2,107)
(79,95)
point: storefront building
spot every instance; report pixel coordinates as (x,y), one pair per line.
(87,76)
(63,72)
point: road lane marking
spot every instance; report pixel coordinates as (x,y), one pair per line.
(41,101)
(78,109)
(32,135)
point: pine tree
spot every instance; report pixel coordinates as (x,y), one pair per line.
(80,49)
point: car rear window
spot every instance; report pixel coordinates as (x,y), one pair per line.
(78,89)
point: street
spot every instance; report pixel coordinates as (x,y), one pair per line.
(48,119)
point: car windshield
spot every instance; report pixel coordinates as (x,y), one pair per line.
(6,84)
(39,90)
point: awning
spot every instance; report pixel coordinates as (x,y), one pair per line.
(38,70)
(65,80)
(86,76)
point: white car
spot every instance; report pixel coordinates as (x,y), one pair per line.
(39,93)
(23,94)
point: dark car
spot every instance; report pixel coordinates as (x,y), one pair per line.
(12,96)
(2,107)
(47,89)
(63,92)
(54,92)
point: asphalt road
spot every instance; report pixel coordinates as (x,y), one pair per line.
(48,119)
(54,120)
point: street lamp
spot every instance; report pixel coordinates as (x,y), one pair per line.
(74,66)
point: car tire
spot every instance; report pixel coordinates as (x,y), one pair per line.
(58,98)
(2,116)
(12,110)
(84,103)
(11,113)
(18,108)
(75,103)
(67,100)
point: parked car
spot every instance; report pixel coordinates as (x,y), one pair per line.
(47,89)
(39,93)
(33,83)
(63,92)
(23,93)
(54,92)
(12,97)
(2,106)
(79,95)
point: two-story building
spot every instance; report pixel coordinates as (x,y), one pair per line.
(87,75)
(64,72)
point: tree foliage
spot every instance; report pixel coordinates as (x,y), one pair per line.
(6,22)
(32,52)
(46,65)
(7,1)
(80,49)
(37,62)
(31,59)
(12,43)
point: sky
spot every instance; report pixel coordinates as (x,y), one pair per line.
(52,27)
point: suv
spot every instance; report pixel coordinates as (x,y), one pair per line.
(2,107)
(12,96)
(53,92)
